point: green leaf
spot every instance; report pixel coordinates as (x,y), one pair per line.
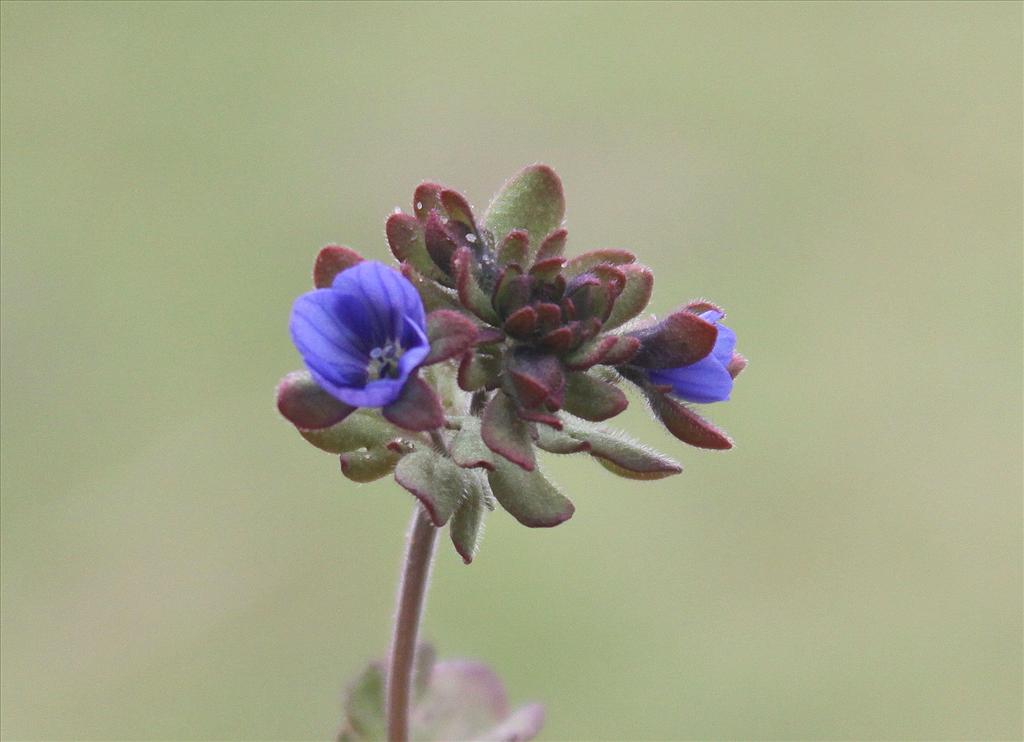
(435,480)
(636,293)
(468,448)
(532,201)
(467,527)
(622,455)
(528,496)
(364,706)
(557,441)
(589,260)
(369,465)
(364,428)
(506,433)
(591,398)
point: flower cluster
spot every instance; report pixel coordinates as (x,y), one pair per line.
(485,343)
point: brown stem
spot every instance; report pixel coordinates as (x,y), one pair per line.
(411,593)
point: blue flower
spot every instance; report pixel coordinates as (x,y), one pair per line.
(363,337)
(707,380)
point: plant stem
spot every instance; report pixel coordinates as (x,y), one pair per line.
(419,554)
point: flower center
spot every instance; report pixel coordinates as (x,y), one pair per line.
(384,361)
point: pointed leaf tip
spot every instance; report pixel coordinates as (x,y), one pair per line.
(417,407)
(687,425)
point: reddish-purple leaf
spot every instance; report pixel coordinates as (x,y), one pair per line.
(440,245)
(537,378)
(306,406)
(549,316)
(680,339)
(687,425)
(425,199)
(417,407)
(553,245)
(458,207)
(332,260)
(546,270)
(506,433)
(521,322)
(451,334)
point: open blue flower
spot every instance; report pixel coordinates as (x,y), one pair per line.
(363,337)
(707,380)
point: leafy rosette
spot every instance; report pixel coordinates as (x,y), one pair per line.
(510,347)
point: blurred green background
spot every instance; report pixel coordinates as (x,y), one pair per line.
(844,178)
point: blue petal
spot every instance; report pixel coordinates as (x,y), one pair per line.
(724,345)
(319,331)
(377,393)
(367,306)
(385,296)
(705,381)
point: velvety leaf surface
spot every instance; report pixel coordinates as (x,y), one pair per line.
(468,448)
(626,457)
(680,339)
(552,246)
(589,260)
(528,496)
(506,433)
(405,237)
(515,248)
(369,465)
(532,201)
(479,371)
(467,526)
(471,295)
(435,480)
(592,399)
(364,428)
(687,425)
(635,295)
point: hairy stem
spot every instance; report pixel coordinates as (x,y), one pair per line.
(412,591)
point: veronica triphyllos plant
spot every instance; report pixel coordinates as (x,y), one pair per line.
(481,344)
